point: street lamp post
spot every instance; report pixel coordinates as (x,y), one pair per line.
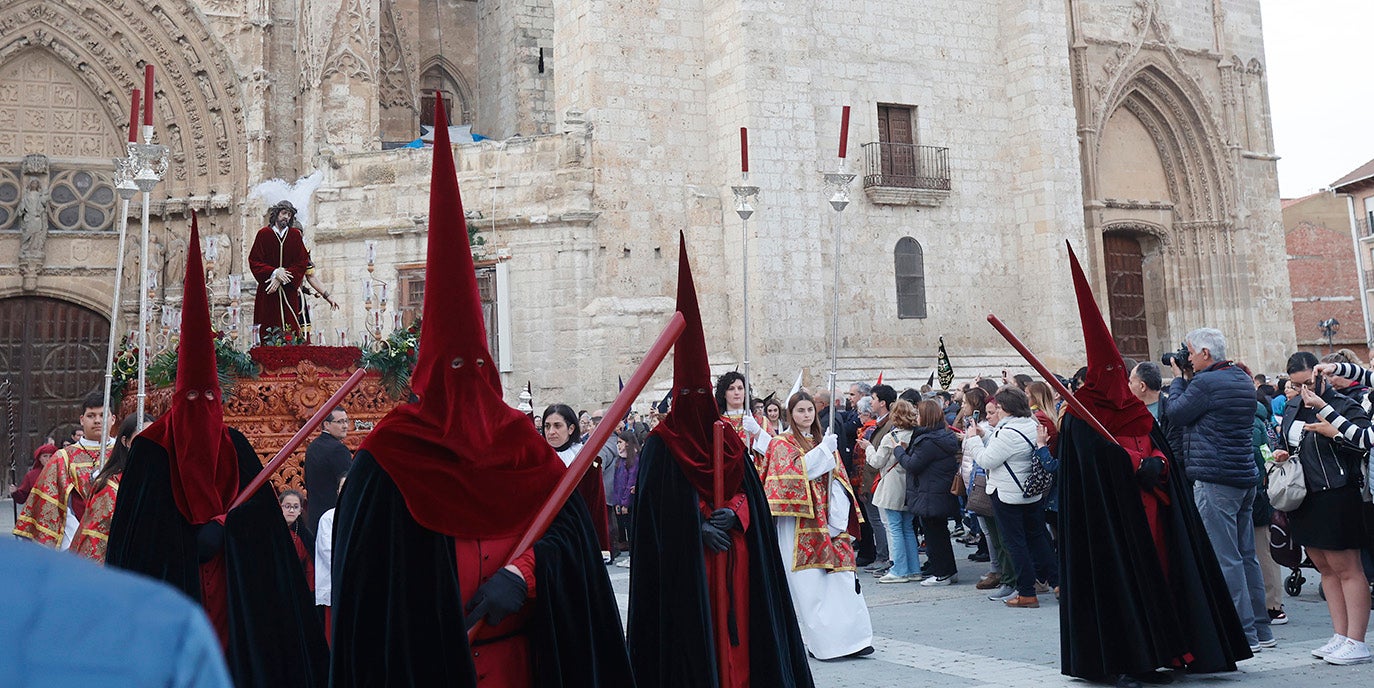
(1329,328)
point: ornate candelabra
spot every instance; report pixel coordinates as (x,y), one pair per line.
(838,181)
(374,302)
(125,187)
(743,194)
(150,160)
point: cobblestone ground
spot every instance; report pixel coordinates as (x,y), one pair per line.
(953,637)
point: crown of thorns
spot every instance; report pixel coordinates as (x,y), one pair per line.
(280,206)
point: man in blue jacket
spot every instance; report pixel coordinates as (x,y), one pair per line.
(1214,403)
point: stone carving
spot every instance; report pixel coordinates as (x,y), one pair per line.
(33,221)
(397,84)
(174,269)
(352,44)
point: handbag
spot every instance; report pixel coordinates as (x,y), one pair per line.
(979,501)
(1286,488)
(957,488)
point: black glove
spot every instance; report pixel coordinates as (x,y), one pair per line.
(1150,474)
(714,537)
(502,595)
(724,519)
(209,541)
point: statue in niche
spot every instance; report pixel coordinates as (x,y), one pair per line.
(32,218)
(174,270)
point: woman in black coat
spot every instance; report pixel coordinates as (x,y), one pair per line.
(930,462)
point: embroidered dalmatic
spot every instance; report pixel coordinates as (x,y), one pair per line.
(791,493)
(810,499)
(93,535)
(53,512)
(758,448)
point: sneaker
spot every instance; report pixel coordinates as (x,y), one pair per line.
(1021,602)
(1269,644)
(878,565)
(934,581)
(624,564)
(1350,652)
(990,581)
(979,557)
(1041,588)
(1277,617)
(892,578)
(1331,645)
(1255,649)
(879,573)
(1002,593)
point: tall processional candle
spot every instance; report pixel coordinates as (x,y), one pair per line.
(133,117)
(211,249)
(371,251)
(844,132)
(235,285)
(343,337)
(148,95)
(383,293)
(744,150)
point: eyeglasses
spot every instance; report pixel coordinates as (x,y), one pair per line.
(597,419)
(291,507)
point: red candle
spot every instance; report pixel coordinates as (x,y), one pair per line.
(148,102)
(743,149)
(133,118)
(844,132)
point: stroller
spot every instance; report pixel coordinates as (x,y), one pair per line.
(1288,554)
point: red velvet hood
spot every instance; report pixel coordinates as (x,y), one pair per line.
(467,464)
(203,461)
(687,429)
(1106,393)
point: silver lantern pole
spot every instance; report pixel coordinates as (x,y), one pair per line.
(152,165)
(745,209)
(125,187)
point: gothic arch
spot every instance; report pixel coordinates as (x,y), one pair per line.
(1184,134)
(198,109)
(442,67)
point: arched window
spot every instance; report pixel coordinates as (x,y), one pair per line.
(911,279)
(436,79)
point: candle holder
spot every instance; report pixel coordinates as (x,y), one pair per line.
(743,195)
(838,182)
(150,161)
(126,190)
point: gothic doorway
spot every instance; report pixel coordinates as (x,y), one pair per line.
(1125,261)
(53,354)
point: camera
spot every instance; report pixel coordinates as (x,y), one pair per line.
(1179,357)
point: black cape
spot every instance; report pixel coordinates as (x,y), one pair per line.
(1118,614)
(670,631)
(275,636)
(398,614)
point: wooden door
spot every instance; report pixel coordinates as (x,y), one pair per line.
(52,353)
(896,139)
(1126,294)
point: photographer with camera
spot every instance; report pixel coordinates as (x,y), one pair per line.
(1213,400)
(1325,428)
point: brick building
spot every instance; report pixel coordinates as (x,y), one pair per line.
(1322,273)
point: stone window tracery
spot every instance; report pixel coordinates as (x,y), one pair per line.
(81,200)
(9,198)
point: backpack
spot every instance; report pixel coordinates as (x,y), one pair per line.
(1041,477)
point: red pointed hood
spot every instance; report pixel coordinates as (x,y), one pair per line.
(459,453)
(1106,393)
(203,462)
(687,429)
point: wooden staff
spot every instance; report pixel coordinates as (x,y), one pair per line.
(320,414)
(1074,404)
(719,591)
(579,466)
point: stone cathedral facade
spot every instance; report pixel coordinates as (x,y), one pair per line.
(984,135)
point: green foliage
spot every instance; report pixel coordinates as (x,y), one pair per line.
(395,359)
(232,364)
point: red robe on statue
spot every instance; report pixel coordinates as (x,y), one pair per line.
(280,310)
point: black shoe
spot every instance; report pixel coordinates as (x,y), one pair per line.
(979,557)
(1155,678)
(862,653)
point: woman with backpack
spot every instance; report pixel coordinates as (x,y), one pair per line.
(1010,462)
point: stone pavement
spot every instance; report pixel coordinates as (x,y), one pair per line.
(953,637)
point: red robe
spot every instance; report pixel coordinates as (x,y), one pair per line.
(94,534)
(1140,448)
(282,309)
(63,484)
(736,661)
(500,653)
